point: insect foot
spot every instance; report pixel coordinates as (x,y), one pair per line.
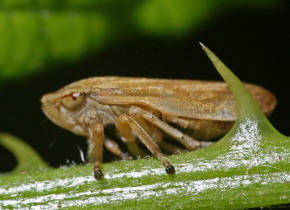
(98,174)
(170,169)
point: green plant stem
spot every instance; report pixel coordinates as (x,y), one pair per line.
(249,167)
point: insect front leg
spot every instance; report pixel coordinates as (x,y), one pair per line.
(147,140)
(185,140)
(96,148)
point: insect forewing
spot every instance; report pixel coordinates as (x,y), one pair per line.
(182,98)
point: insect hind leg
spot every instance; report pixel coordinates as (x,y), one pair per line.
(157,135)
(129,138)
(185,140)
(147,140)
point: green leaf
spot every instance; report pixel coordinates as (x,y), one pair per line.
(27,158)
(249,167)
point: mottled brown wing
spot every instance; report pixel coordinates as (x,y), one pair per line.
(184,98)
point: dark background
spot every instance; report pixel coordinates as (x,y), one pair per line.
(254,43)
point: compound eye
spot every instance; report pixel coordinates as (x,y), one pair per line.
(73,101)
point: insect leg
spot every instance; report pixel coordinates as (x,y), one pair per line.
(171,148)
(152,130)
(114,148)
(146,139)
(96,148)
(157,135)
(130,139)
(187,141)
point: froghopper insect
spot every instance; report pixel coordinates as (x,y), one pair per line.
(146,110)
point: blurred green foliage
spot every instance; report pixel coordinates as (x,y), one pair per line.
(38,34)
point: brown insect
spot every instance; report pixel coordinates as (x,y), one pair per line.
(146,110)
